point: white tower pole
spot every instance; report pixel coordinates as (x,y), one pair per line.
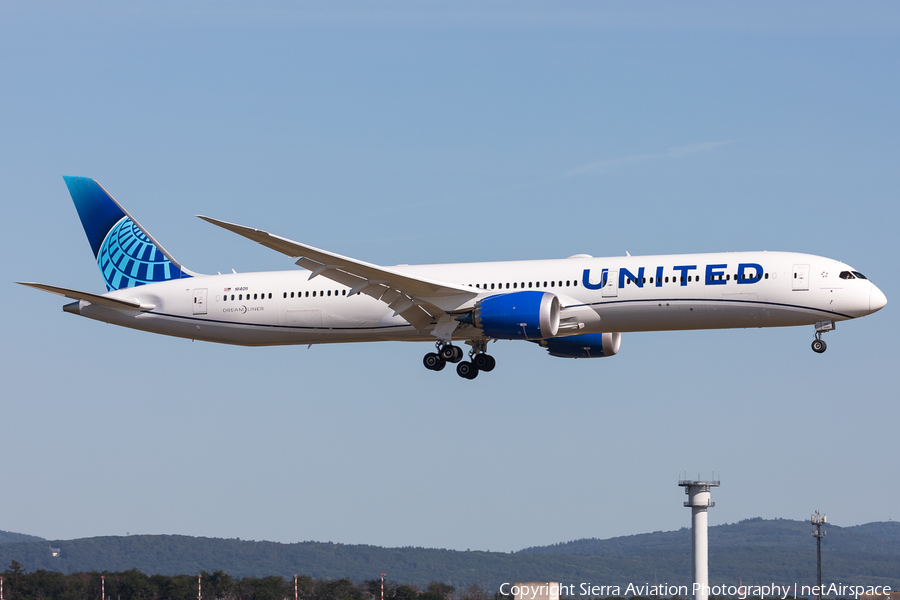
(699,502)
(699,499)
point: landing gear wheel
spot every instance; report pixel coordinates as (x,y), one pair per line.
(433,362)
(484,362)
(451,353)
(467,370)
(819,346)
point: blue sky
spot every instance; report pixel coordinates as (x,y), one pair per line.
(416,132)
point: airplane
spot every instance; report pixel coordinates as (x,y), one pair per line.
(576,307)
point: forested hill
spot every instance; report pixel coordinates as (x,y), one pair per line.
(8,536)
(754,551)
(880,538)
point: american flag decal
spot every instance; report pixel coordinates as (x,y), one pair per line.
(227,289)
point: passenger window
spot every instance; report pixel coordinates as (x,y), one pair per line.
(567,283)
(270,295)
(529,285)
(651,280)
(314,294)
(551,283)
(514,285)
(560,284)
(507,286)
(344,292)
(574,283)
(681,279)
(767,275)
(492,286)
(667,280)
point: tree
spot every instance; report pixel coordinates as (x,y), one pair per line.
(438,591)
(475,592)
(15,569)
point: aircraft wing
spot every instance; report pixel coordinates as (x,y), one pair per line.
(97,299)
(419,300)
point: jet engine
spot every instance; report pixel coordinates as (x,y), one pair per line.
(528,315)
(587,345)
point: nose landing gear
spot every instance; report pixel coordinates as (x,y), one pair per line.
(819,346)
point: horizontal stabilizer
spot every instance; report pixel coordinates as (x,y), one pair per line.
(97,299)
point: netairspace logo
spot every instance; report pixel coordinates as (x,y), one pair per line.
(782,592)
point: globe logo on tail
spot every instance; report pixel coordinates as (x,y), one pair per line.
(128,258)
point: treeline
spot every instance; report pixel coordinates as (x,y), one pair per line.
(18,584)
(755,550)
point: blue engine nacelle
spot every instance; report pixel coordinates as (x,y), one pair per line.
(588,345)
(516,316)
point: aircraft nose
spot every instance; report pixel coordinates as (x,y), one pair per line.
(877,299)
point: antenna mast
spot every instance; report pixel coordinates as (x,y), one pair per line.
(818,520)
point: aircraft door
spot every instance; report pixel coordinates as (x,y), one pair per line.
(200,301)
(801,277)
(611,289)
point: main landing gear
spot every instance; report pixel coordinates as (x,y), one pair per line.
(819,346)
(467,369)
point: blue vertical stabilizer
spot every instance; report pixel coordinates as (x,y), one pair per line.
(126,254)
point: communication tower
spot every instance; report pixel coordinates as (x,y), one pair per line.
(699,501)
(818,520)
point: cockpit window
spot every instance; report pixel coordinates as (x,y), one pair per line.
(858,274)
(846,275)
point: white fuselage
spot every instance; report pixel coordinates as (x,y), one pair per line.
(622,294)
